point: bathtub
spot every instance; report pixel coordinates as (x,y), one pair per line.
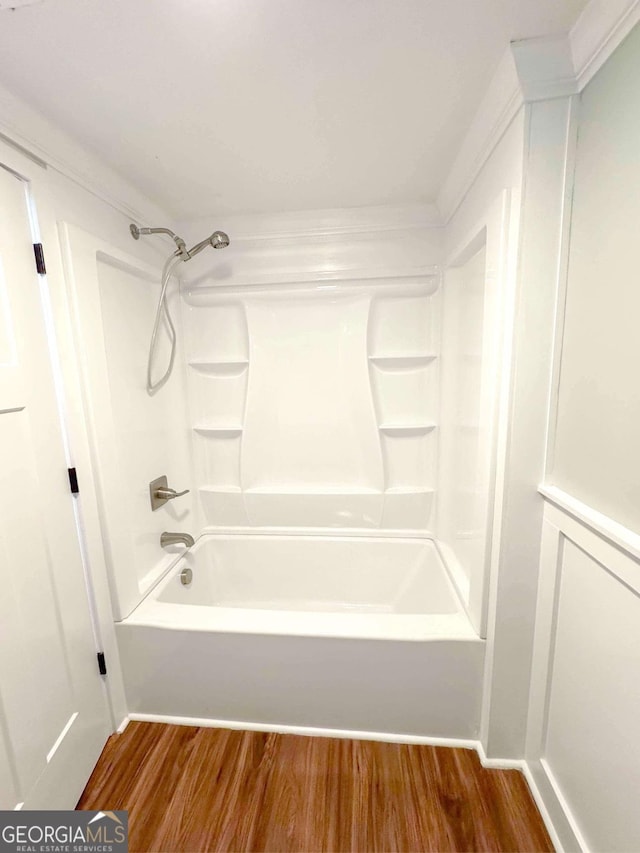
(314,633)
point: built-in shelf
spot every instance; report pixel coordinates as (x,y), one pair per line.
(406,429)
(408,490)
(220,368)
(422,282)
(338,490)
(303,489)
(223,431)
(402,362)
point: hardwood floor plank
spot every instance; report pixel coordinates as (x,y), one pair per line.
(190,790)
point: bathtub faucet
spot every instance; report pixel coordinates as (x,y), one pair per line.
(175,539)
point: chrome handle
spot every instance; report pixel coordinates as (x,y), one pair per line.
(160,492)
(168,494)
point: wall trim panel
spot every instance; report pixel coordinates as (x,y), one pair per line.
(611,552)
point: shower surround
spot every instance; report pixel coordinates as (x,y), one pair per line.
(315,407)
(324,383)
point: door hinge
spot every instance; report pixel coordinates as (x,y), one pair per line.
(73,481)
(38,251)
(102,664)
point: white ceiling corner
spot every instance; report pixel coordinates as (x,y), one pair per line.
(254,107)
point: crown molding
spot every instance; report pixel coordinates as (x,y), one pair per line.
(535,70)
(530,70)
(599,30)
(498,107)
(27,130)
(300,224)
(545,68)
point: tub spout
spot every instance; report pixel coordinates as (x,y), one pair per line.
(176,539)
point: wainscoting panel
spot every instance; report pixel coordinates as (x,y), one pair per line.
(583,746)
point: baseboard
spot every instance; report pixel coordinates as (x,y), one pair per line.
(307,731)
(498,763)
(554,808)
(123,725)
(552,814)
(542,803)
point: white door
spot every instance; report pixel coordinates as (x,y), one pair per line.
(53,711)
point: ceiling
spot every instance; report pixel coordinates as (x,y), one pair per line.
(234,106)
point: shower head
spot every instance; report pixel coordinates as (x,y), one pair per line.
(218,240)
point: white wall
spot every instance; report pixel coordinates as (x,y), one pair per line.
(135,438)
(75,194)
(77,200)
(46,638)
(582,744)
(518,519)
(597,452)
(131,438)
(530,159)
(66,201)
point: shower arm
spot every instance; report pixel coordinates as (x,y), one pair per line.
(218,240)
(182,247)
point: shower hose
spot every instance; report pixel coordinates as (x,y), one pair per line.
(163,308)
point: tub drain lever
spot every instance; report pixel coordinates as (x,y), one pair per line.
(160,492)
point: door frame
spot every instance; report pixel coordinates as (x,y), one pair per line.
(72,417)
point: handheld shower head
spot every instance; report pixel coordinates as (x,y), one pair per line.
(219,240)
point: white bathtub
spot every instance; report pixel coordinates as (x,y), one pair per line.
(348,633)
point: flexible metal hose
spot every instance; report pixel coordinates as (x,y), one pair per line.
(171,263)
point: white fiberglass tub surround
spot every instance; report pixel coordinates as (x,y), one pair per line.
(316,408)
(349,633)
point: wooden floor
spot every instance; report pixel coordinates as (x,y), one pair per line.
(196,789)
